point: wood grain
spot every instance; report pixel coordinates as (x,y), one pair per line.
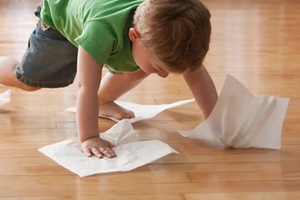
(256,41)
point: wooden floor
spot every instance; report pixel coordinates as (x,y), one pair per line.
(256,41)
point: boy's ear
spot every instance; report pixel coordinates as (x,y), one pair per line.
(133,34)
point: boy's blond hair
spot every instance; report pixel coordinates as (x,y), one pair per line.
(175,32)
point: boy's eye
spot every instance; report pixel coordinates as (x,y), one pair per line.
(156,68)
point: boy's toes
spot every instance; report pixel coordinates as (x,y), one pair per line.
(111,109)
(124,115)
(130,114)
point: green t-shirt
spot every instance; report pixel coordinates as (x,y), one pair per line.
(99,26)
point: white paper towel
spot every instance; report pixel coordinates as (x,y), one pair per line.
(130,153)
(241,120)
(142,112)
(5,97)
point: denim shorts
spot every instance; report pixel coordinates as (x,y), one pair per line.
(50,59)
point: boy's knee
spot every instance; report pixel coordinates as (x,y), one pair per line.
(27,88)
(31,89)
(7,63)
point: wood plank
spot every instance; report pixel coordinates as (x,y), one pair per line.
(244,176)
(47,185)
(294,195)
(103,197)
(248,40)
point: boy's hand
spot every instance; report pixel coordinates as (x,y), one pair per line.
(97,147)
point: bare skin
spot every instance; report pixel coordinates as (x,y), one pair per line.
(7,76)
(92,97)
(113,86)
(202,88)
(89,77)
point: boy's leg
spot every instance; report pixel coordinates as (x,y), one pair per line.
(7,77)
(113,86)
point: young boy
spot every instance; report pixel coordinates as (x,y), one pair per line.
(133,38)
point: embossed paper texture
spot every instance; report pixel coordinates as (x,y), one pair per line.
(141,111)
(130,152)
(241,120)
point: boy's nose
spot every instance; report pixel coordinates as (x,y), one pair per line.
(162,74)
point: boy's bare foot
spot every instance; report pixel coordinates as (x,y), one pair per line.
(111,109)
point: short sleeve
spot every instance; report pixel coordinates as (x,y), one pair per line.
(97,40)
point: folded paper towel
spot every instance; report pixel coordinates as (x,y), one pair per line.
(241,120)
(130,153)
(142,112)
(5,97)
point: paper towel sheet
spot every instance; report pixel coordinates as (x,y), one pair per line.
(241,120)
(130,153)
(5,97)
(142,112)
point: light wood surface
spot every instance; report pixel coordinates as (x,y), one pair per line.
(256,41)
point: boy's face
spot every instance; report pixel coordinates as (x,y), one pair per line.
(142,57)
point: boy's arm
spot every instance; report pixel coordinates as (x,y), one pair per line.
(203,89)
(89,77)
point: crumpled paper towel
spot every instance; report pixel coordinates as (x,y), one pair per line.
(241,120)
(5,97)
(142,112)
(130,153)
